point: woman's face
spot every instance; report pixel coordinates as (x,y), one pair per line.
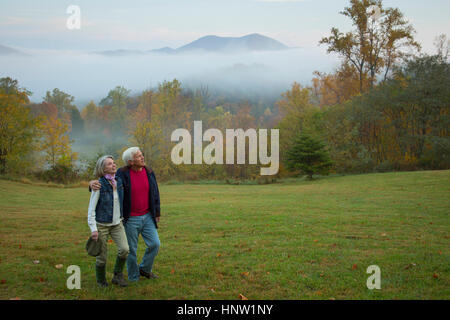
(110,166)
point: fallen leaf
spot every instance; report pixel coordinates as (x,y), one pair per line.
(172,271)
(435,275)
(58,266)
(242,297)
(218,255)
(440,252)
(3,281)
(20,246)
(110,241)
(245,273)
(321,274)
(16,298)
(41,279)
(354,266)
(383,234)
(36,261)
(410,265)
(332,299)
(319,293)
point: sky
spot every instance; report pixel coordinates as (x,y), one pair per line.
(150,24)
(62,58)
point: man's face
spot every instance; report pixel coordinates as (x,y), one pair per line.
(138,159)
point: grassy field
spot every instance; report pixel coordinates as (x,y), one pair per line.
(291,240)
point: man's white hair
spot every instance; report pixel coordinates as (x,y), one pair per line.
(129,154)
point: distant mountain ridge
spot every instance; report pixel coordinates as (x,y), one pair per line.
(251,42)
(214,44)
(4,50)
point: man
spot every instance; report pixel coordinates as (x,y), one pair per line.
(141,211)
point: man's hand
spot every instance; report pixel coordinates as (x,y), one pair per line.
(157,219)
(95,185)
(94,235)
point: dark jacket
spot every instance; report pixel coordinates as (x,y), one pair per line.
(153,197)
(105,205)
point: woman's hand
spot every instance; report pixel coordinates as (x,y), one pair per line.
(95,185)
(94,235)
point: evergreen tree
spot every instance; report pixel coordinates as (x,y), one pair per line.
(308,155)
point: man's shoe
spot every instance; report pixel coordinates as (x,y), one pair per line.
(150,275)
(119,280)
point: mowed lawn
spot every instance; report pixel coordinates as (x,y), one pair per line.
(292,240)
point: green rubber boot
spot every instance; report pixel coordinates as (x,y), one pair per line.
(118,275)
(100,274)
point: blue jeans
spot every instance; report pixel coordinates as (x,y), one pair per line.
(145,226)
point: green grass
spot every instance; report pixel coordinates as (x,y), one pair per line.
(291,240)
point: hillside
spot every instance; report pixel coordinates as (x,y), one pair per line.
(291,240)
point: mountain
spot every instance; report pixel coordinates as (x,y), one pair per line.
(166,50)
(248,43)
(4,50)
(119,53)
(251,42)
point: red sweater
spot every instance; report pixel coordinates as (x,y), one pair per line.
(140,192)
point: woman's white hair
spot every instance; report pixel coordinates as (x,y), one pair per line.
(129,154)
(100,166)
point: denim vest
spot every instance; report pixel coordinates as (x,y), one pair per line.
(105,205)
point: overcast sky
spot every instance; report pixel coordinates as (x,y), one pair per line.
(62,58)
(150,24)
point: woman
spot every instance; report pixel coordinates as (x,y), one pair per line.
(105,215)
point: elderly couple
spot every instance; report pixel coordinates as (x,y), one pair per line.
(124,203)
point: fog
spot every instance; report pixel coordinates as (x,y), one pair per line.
(90,76)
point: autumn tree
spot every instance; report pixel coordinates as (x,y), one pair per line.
(338,87)
(144,132)
(117,97)
(90,115)
(377,43)
(67,111)
(293,110)
(442,45)
(17,126)
(157,115)
(55,141)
